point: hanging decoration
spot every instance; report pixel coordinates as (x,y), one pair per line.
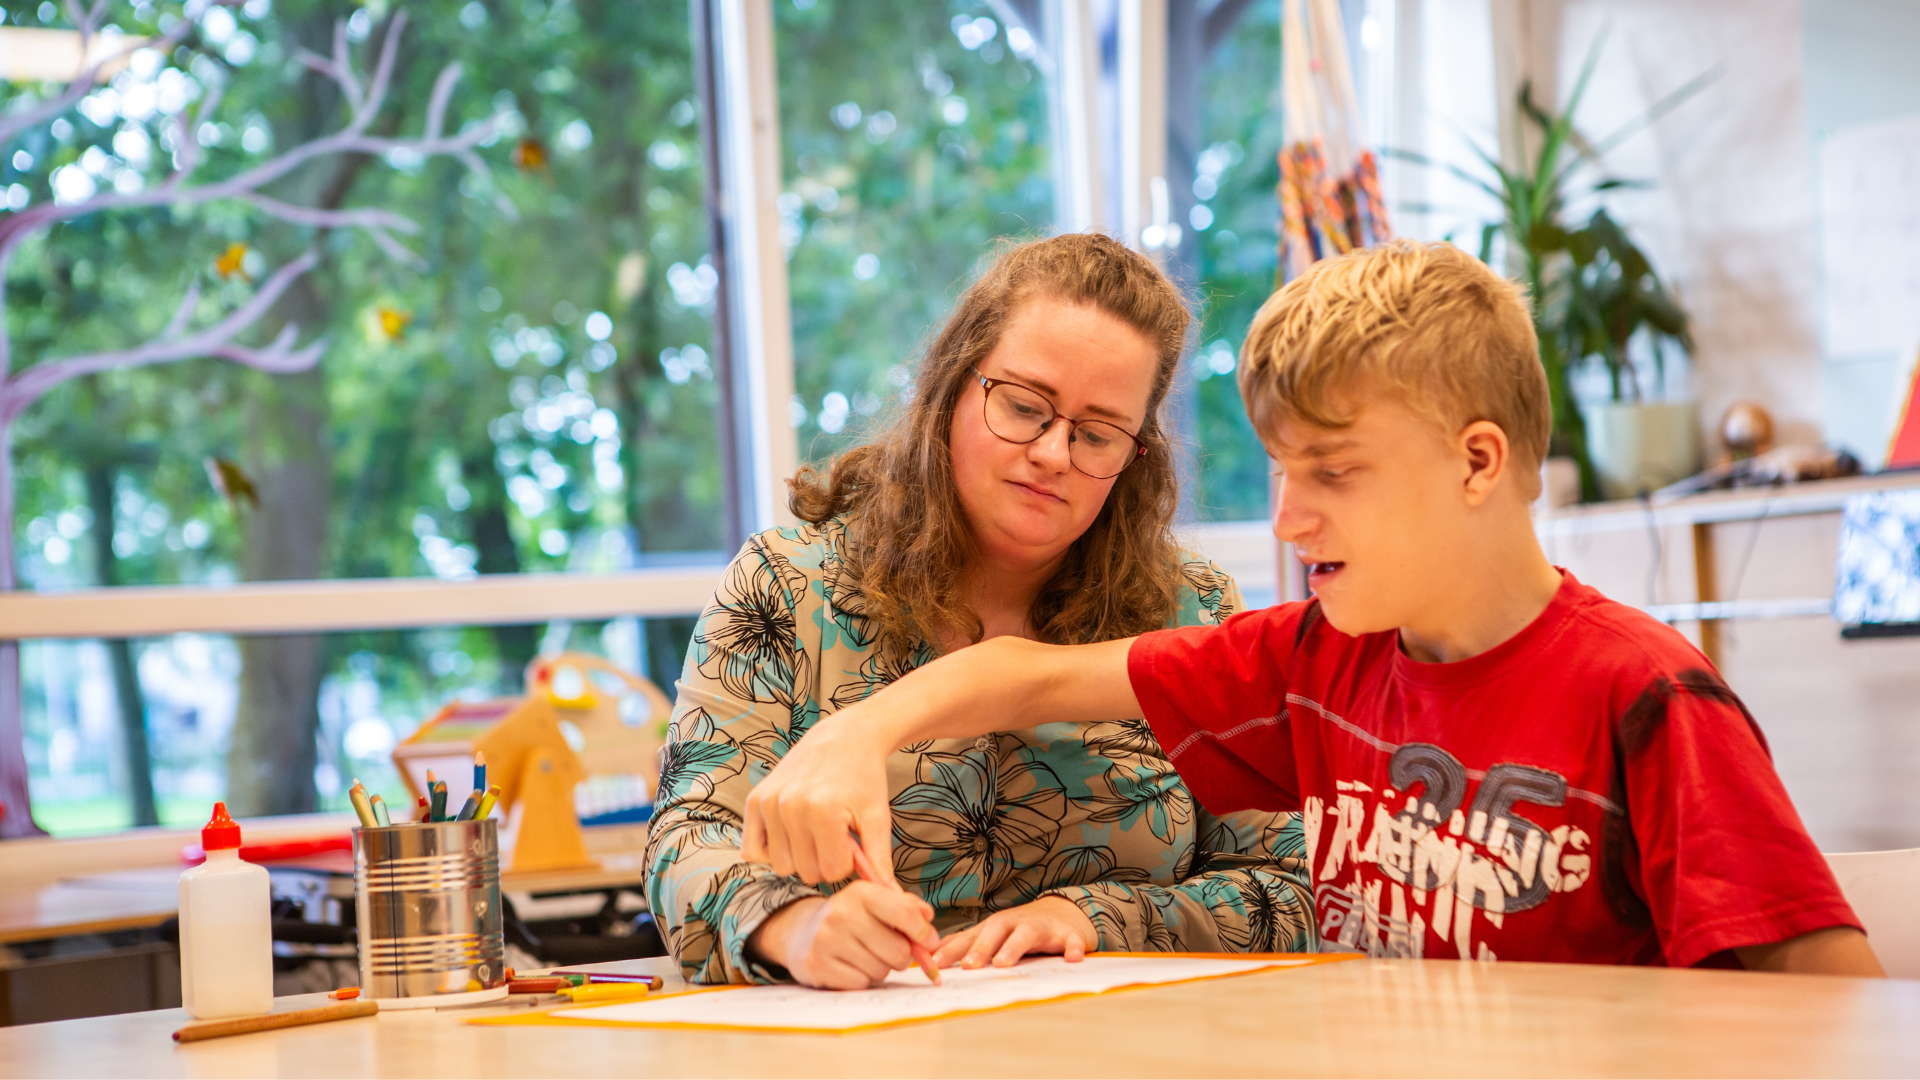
(1329,187)
(1903,451)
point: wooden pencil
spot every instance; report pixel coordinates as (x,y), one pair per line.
(863,866)
(241,1025)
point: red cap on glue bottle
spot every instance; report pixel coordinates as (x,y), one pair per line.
(220,833)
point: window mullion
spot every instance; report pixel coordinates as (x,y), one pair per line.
(742,140)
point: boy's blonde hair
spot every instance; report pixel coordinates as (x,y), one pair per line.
(1426,323)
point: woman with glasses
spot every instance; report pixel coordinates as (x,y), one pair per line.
(1027,488)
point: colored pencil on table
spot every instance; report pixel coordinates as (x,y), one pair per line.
(439,800)
(613,977)
(486,804)
(536,985)
(469,808)
(479,772)
(602,993)
(380,817)
(214,1029)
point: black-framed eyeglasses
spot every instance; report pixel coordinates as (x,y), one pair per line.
(1021,414)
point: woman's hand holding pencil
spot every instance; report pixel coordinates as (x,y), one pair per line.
(922,955)
(852,940)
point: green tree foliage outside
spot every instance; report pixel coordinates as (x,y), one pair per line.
(1240,124)
(538,396)
(914,136)
(535,397)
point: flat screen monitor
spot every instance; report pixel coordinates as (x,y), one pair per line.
(1876,590)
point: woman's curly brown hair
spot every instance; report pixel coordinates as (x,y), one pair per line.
(908,537)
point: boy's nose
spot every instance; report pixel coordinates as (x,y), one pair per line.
(1291,521)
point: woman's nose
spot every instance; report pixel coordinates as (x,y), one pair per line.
(1053,449)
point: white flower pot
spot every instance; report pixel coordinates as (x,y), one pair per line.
(1640,447)
(1559,484)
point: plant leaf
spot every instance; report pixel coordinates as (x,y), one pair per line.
(1480,182)
(1545,236)
(1582,246)
(1660,108)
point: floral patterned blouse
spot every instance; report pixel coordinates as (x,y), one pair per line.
(1091,812)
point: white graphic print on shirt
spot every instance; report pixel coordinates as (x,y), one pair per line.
(1454,862)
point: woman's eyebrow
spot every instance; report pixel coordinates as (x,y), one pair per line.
(1042,386)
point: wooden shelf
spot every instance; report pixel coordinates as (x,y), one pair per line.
(1713,507)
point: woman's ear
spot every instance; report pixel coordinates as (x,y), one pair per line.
(1488,456)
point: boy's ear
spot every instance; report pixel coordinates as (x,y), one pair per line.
(1488,456)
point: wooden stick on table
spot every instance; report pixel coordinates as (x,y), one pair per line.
(214,1029)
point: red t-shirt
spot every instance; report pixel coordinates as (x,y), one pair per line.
(1588,790)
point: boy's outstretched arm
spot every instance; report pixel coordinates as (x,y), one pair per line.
(834,781)
(1837,950)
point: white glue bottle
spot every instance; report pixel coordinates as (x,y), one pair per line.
(226,929)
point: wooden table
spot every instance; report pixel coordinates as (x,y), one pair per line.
(66,909)
(625,869)
(130,898)
(1360,1018)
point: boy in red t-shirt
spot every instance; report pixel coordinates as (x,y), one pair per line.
(1491,759)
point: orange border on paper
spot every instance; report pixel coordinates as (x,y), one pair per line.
(545,1018)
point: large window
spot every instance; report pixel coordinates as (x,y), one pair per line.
(532,393)
(915,135)
(534,384)
(87,772)
(1224,168)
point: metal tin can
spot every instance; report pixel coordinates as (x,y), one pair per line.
(428,900)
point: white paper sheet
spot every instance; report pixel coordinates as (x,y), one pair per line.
(909,996)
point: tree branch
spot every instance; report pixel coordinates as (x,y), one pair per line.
(172,344)
(14,228)
(383,67)
(216,340)
(395,248)
(182,314)
(188,141)
(343,67)
(360,218)
(278,358)
(85,21)
(442,94)
(13,124)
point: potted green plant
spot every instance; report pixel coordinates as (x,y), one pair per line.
(1609,295)
(1591,289)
